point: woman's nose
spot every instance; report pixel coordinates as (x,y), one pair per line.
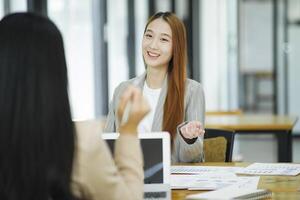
(154,43)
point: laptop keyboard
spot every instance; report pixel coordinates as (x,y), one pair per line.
(155,195)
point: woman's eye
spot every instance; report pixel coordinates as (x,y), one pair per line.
(148,36)
(164,40)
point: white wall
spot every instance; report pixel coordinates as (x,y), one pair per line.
(256,51)
(15,6)
(293,74)
(232,51)
(281,99)
(219,70)
(1,9)
(292,51)
(18,5)
(117,43)
(256,36)
(294,63)
(74,19)
(141,17)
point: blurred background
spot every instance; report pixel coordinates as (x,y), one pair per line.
(246,53)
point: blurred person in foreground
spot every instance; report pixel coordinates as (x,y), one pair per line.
(43,155)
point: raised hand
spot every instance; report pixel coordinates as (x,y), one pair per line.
(192,130)
(139,107)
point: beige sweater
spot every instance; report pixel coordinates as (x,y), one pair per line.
(97,171)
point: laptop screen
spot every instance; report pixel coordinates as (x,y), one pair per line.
(153,153)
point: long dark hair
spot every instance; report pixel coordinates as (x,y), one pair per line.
(174,103)
(36,130)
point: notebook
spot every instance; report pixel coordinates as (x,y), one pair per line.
(157,162)
(232,193)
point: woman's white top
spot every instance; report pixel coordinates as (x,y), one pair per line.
(152,96)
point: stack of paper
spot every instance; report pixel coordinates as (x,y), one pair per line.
(211,181)
(237,191)
(232,193)
(202,169)
(271,169)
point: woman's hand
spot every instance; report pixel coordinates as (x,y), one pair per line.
(192,130)
(138,109)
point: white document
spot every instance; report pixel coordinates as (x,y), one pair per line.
(271,169)
(177,169)
(232,193)
(241,190)
(211,181)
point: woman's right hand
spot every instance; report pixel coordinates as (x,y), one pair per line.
(139,108)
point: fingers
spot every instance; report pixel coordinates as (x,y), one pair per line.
(192,130)
(138,106)
(186,132)
(197,124)
(124,99)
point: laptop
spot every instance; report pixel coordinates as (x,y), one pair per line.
(157,161)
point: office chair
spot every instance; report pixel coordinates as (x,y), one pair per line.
(218,145)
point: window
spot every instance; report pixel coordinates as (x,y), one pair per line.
(9,6)
(141,17)
(117,43)
(74,19)
(1,8)
(17,5)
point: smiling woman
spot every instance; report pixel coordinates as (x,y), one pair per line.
(177,103)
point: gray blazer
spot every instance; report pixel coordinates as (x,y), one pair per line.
(194,110)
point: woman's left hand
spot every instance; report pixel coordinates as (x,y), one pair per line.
(192,130)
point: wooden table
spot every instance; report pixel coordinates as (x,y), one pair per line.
(281,126)
(283,187)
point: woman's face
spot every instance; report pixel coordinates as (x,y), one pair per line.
(157,44)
